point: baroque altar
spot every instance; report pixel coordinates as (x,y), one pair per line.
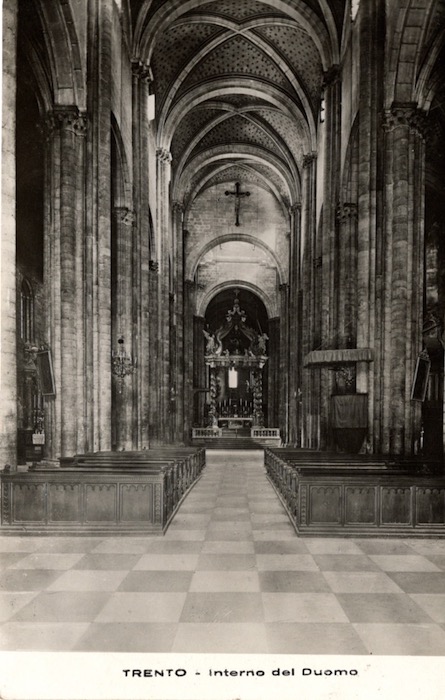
(235,356)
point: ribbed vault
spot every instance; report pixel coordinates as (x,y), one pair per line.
(238,81)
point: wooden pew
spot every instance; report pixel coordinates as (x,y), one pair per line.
(101,493)
(364,495)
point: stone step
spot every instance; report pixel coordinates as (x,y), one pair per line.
(228,443)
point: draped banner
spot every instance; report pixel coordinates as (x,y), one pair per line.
(350,411)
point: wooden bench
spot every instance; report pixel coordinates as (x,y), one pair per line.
(333,494)
(101,493)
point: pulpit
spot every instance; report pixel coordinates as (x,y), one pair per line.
(349,421)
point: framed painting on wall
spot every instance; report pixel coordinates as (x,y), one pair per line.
(45,373)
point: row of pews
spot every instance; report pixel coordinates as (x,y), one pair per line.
(101,493)
(334,494)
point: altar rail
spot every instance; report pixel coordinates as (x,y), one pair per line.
(198,433)
(102,493)
(266,436)
(336,495)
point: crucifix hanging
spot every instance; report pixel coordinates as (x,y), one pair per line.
(237,194)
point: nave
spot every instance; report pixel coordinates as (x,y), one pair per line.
(229,576)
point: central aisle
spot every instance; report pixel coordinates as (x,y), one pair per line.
(229,576)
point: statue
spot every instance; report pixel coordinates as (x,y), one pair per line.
(260,344)
(211,343)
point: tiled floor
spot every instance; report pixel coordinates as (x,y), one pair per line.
(229,576)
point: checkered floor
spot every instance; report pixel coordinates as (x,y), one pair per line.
(229,576)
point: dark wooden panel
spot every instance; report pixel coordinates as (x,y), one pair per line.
(325,504)
(430,505)
(360,504)
(100,503)
(64,502)
(136,503)
(396,505)
(28,502)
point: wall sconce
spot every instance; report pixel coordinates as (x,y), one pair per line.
(122,363)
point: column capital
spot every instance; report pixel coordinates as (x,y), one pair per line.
(64,118)
(163,155)
(177,206)
(347,211)
(283,287)
(295,208)
(141,70)
(124,215)
(406,114)
(153,266)
(309,158)
(331,76)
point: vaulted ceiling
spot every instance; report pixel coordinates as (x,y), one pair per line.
(238,85)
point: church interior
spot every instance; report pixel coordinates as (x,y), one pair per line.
(222,313)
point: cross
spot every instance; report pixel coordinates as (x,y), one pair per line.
(237,194)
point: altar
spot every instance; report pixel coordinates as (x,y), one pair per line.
(235,423)
(235,356)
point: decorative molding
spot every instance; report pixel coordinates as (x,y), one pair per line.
(64,119)
(64,487)
(6,505)
(125,215)
(406,115)
(309,158)
(177,206)
(331,76)
(141,70)
(347,211)
(163,155)
(99,487)
(303,504)
(158,504)
(335,357)
(345,378)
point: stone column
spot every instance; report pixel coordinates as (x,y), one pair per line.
(153,350)
(258,415)
(178,370)
(273,365)
(64,225)
(294,325)
(122,326)
(142,340)
(200,370)
(284,362)
(213,394)
(346,278)
(97,242)
(8,366)
(164,250)
(403,275)
(311,326)
(370,254)
(329,250)
(189,302)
